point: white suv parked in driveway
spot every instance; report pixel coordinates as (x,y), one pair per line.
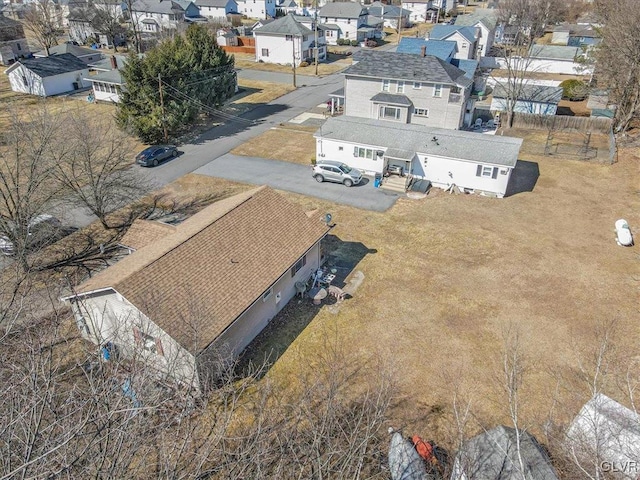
(332,171)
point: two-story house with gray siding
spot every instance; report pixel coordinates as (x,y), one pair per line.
(344,20)
(406,88)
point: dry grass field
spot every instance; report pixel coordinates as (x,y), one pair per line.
(287,142)
(334,64)
(446,275)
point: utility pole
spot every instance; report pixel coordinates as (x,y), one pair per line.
(315,32)
(293,50)
(162,112)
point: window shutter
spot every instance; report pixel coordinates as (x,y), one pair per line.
(159,349)
(495,172)
(479,171)
(137,335)
(355,151)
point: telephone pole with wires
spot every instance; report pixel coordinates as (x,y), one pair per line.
(162,111)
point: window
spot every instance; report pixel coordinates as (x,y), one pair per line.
(363,153)
(421,112)
(147,342)
(19,47)
(486,171)
(81,322)
(389,113)
(348,21)
(299,264)
(437,90)
(464,45)
(267,294)
(288,37)
(305,38)
(417,85)
(400,87)
(265,52)
(24,80)
(385,85)
(346,35)
(340,149)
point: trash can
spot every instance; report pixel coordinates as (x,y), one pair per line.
(377,180)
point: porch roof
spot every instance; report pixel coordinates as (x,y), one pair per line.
(392,99)
(399,154)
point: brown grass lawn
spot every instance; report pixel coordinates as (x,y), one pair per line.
(261,92)
(334,64)
(289,143)
(446,274)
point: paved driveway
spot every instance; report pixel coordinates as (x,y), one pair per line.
(296,178)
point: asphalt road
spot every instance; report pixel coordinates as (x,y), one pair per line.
(297,178)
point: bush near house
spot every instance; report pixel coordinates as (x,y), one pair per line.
(574,90)
(354,43)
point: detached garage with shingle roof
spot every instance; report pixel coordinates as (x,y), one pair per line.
(46,76)
(201,291)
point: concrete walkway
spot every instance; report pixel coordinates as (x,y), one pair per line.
(296,178)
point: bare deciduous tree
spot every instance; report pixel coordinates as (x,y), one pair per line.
(43,19)
(96,172)
(618,59)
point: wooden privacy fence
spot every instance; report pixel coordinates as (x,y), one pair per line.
(561,122)
(239,49)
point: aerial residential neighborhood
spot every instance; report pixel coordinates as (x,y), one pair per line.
(281,238)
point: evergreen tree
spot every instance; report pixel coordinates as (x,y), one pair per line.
(195,74)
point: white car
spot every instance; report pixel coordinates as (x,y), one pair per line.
(623,234)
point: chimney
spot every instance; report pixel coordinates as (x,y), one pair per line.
(423,50)
(114,63)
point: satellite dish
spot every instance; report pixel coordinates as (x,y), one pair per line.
(327,218)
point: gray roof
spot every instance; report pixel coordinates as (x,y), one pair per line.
(607,428)
(286,25)
(51,66)
(482,15)
(342,10)
(105,64)
(494,455)
(387,11)
(555,52)
(392,99)
(465,146)
(112,76)
(406,66)
(74,50)
(212,3)
(167,7)
(532,93)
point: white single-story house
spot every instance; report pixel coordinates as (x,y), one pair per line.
(605,435)
(193,295)
(557,59)
(468,160)
(48,75)
(108,82)
(536,99)
(216,9)
(496,454)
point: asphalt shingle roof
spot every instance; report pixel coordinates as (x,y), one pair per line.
(110,76)
(482,15)
(466,146)
(406,66)
(166,7)
(221,259)
(342,10)
(74,50)
(211,3)
(286,25)
(494,454)
(443,49)
(555,52)
(392,99)
(532,93)
(442,32)
(53,65)
(387,11)
(469,67)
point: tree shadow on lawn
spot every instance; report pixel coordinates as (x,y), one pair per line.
(285,327)
(233,126)
(523,178)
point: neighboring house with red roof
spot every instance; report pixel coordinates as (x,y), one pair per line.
(193,294)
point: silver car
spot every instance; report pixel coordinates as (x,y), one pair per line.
(332,171)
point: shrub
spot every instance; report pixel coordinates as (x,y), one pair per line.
(303,64)
(340,41)
(371,43)
(354,43)
(574,90)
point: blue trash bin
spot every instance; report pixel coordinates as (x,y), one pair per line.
(377,181)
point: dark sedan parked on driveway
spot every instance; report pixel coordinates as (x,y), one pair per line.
(152,156)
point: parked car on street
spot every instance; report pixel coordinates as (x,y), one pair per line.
(623,233)
(42,230)
(153,155)
(332,171)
